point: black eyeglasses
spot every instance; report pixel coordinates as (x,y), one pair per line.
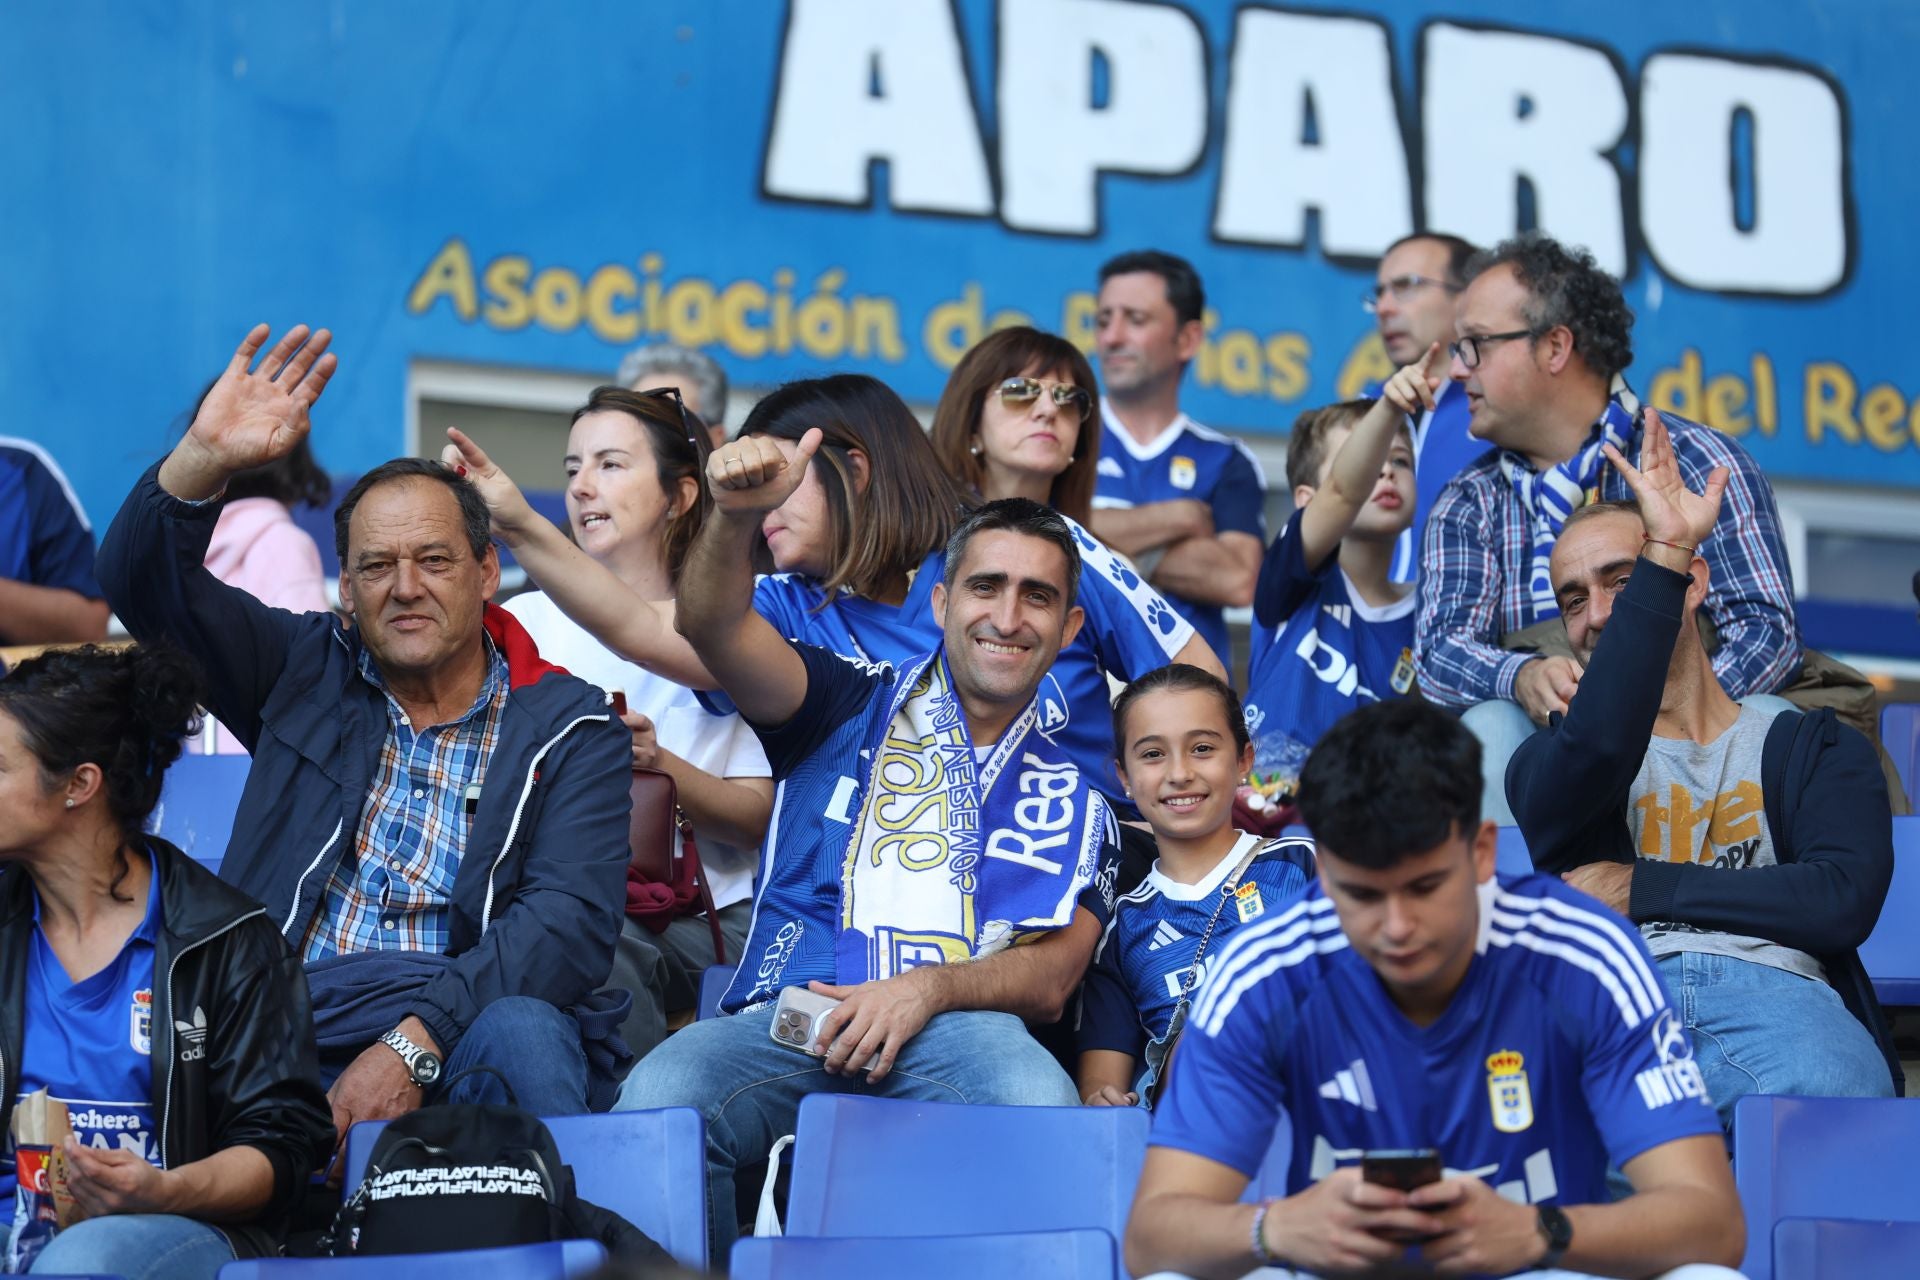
(1467,350)
(1018,393)
(673,393)
(1400,287)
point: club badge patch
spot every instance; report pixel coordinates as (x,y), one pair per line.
(1403,672)
(1507,1091)
(1246,900)
(1183,474)
(140,1023)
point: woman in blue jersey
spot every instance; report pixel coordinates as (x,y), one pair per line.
(1183,747)
(158,1003)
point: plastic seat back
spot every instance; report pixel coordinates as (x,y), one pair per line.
(1892,952)
(1900,735)
(713,984)
(197,802)
(650,1167)
(1068,1255)
(1822,1158)
(969,1169)
(1843,1249)
(555,1261)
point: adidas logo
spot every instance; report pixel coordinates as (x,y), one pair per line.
(1351,1085)
(1164,935)
(1341,613)
(192,1035)
(1111,467)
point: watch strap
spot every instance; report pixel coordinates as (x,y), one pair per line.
(1557,1230)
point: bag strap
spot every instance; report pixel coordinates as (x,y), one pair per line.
(1227,887)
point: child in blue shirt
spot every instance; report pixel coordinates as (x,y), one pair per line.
(1182,747)
(1332,630)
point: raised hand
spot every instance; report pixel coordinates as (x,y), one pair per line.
(1416,387)
(1672,512)
(757,473)
(251,416)
(511,513)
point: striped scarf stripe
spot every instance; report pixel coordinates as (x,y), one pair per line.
(1549,498)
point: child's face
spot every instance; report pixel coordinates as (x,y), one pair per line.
(1389,508)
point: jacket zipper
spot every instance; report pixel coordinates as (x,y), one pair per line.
(519,809)
(293,908)
(173,1007)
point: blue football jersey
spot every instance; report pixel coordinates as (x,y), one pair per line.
(1327,652)
(1130,630)
(1140,969)
(1558,1056)
(821,765)
(1186,460)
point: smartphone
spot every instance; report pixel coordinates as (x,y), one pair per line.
(1403,1170)
(796,1021)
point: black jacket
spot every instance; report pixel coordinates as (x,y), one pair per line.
(251,1079)
(1826,808)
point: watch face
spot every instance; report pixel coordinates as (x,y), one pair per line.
(426,1069)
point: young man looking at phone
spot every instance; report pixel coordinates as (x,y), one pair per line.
(934,862)
(1411,999)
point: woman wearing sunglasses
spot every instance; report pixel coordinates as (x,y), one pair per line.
(1019,419)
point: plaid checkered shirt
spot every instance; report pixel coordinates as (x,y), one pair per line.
(1476,553)
(394,893)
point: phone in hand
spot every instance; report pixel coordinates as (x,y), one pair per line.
(1403,1169)
(619,703)
(796,1022)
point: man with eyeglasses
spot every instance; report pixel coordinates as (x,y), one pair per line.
(1544,336)
(1186,502)
(1412,306)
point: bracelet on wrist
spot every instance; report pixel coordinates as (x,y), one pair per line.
(1662,542)
(1258,1238)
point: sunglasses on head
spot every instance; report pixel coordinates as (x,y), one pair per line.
(672,394)
(1018,393)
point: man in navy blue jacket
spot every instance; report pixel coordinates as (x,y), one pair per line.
(436,818)
(1752,844)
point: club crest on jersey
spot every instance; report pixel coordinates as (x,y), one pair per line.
(1507,1091)
(1183,474)
(140,1023)
(1246,900)
(1402,680)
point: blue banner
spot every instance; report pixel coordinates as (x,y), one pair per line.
(872,184)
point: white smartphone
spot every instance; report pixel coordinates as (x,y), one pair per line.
(796,1021)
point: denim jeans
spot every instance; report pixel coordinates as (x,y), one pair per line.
(1757,1029)
(749,1088)
(1501,727)
(136,1246)
(528,1041)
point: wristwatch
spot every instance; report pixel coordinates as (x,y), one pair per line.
(422,1064)
(1557,1231)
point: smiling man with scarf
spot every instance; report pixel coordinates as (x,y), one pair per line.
(1544,336)
(934,860)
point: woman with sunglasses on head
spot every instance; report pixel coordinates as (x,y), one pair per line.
(1019,419)
(1182,748)
(635,501)
(159,1003)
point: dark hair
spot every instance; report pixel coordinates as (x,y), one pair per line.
(1566,287)
(1307,442)
(1459,252)
(1178,676)
(680,449)
(125,710)
(473,508)
(1015,515)
(995,358)
(1610,507)
(1391,780)
(910,504)
(1184,290)
(294,480)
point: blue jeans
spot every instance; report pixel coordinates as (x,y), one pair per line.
(1501,727)
(534,1045)
(1757,1029)
(137,1246)
(749,1088)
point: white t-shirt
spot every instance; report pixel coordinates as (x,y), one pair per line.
(722,745)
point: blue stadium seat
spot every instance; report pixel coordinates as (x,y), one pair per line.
(554,1261)
(972,1169)
(1842,1249)
(196,806)
(1892,953)
(713,984)
(1070,1255)
(1822,1158)
(650,1167)
(1900,735)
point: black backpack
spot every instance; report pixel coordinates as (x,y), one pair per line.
(472,1176)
